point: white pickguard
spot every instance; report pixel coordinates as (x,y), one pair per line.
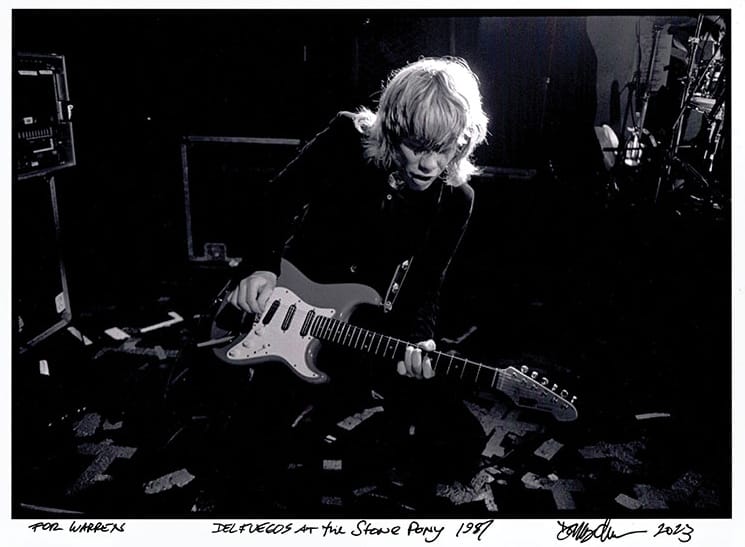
(271,342)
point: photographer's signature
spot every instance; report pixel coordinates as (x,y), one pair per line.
(583,531)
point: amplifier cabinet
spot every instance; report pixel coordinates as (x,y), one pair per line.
(224,178)
(42,114)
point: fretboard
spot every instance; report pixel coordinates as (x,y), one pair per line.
(388,347)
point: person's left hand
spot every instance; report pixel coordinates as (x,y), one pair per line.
(415,364)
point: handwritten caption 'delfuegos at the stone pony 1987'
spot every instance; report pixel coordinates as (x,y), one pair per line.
(361,528)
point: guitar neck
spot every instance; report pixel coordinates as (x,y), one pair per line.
(388,347)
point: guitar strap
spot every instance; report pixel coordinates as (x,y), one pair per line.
(397,281)
(402,270)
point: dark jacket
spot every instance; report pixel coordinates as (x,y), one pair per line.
(335,216)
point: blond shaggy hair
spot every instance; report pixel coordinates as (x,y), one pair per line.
(435,102)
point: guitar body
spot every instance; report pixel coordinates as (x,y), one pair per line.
(302,314)
(279,334)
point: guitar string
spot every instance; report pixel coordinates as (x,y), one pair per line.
(501,377)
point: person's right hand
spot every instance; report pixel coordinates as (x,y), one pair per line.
(253,292)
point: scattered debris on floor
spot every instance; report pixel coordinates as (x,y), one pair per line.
(104,454)
(179,479)
(87,425)
(527,460)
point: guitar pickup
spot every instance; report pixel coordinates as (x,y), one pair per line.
(269,315)
(288,318)
(307,323)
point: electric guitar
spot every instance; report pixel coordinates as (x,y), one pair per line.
(301,314)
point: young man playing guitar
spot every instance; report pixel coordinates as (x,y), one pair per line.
(381,187)
(378,193)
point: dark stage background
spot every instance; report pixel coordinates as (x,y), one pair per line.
(141,81)
(631,296)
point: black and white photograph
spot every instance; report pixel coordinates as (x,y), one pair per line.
(278,266)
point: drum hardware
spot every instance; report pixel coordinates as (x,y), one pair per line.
(703,94)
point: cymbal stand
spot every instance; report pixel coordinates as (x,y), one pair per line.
(693,80)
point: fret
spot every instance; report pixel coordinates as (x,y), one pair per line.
(436,361)
(495,378)
(450,364)
(333,324)
(364,341)
(347,334)
(337,331)
(322,332)
(356,336)
(364,338)
(388,342)
(380,339)
(330,328)
(469,370)
(387,345)
(395,348)
(316,322)
(484,376)
(321,326)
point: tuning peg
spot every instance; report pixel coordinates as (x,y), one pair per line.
(574,398)
(524,369)
(534,375)
(564,393)
(544,381)
(554,387)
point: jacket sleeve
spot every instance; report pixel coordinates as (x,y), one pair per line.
(286,196)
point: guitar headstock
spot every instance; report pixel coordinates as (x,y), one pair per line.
(527,390)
